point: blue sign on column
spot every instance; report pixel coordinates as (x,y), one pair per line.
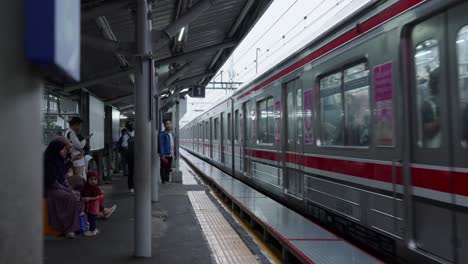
(198,91)
(52,36)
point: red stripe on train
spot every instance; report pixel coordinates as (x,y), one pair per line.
(437,180)
(389,13)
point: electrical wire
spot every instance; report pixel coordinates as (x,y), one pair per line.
(266,31)
(249,68)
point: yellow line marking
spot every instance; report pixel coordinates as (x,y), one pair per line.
(273,257)
(225,244)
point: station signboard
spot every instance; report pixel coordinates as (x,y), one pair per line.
(198,91)
(52,36)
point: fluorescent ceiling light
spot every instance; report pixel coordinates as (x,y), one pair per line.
(181,34)
(423,53)
(123,117)
(184,90)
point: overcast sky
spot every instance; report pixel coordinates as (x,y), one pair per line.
(287,26)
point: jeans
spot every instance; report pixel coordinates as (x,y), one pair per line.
(166,169)
(92,222)
(130,161)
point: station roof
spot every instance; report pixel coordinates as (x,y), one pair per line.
(191,40)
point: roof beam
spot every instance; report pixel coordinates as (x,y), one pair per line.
(195,53)
(98,80)
(126,107)
(161,38)
(105,9)
(118,99)
(177,74)
(240,18)
(107,44)
(193,79)
(215,59)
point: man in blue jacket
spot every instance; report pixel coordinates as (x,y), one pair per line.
(167,150)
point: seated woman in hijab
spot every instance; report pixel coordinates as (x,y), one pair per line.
(64,205)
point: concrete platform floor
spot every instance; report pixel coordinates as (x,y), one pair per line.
(177,236)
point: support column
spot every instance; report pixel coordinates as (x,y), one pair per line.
(176,174)
(155,162)
(142,224)
(21,141)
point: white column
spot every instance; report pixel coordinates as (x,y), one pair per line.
(142,224)
(155,162)
(21,145)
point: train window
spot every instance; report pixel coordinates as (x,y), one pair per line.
(462,53)
(271,120)
(222,129)
(356,105)
(216,129)
(200,132)
(427,76)
(331,110)
(229,127)
(290,112)
(265,121)
(236,124)
(299,110)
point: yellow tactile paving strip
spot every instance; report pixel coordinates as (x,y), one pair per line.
(225,244)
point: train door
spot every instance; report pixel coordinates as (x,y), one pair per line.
(292,167)
(457,43)
(206,144)
(210,136)
(238,140)
(431,146)
(222,138)
(199,141)
(247,136)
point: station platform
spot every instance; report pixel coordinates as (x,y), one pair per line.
(299,238)
(182,219)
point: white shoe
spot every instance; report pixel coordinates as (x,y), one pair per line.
(132,191)
(70,235)
(112,210)
(91,233)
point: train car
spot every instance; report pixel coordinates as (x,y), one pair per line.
(364,130)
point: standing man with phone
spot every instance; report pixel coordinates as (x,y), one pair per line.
(78,145)
(166,150)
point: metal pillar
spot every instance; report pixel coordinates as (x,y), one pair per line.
(20,105)
(176,174)
(142,224)
(155,162)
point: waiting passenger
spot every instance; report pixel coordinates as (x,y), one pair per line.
(167,151)
(78,145)
(64,205)
(127,146)
(92,194)
(430,112)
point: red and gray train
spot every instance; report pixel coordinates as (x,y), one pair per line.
(364,130)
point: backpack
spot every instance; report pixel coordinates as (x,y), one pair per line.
(130,142)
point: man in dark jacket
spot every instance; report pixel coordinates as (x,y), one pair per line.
(166,150)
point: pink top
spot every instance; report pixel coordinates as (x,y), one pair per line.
(92,207)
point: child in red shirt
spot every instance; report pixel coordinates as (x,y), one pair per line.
(91,196)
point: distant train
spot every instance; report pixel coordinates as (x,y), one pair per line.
(365,130)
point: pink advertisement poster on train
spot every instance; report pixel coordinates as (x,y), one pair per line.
(308,117)
(383,98)
(277,121)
